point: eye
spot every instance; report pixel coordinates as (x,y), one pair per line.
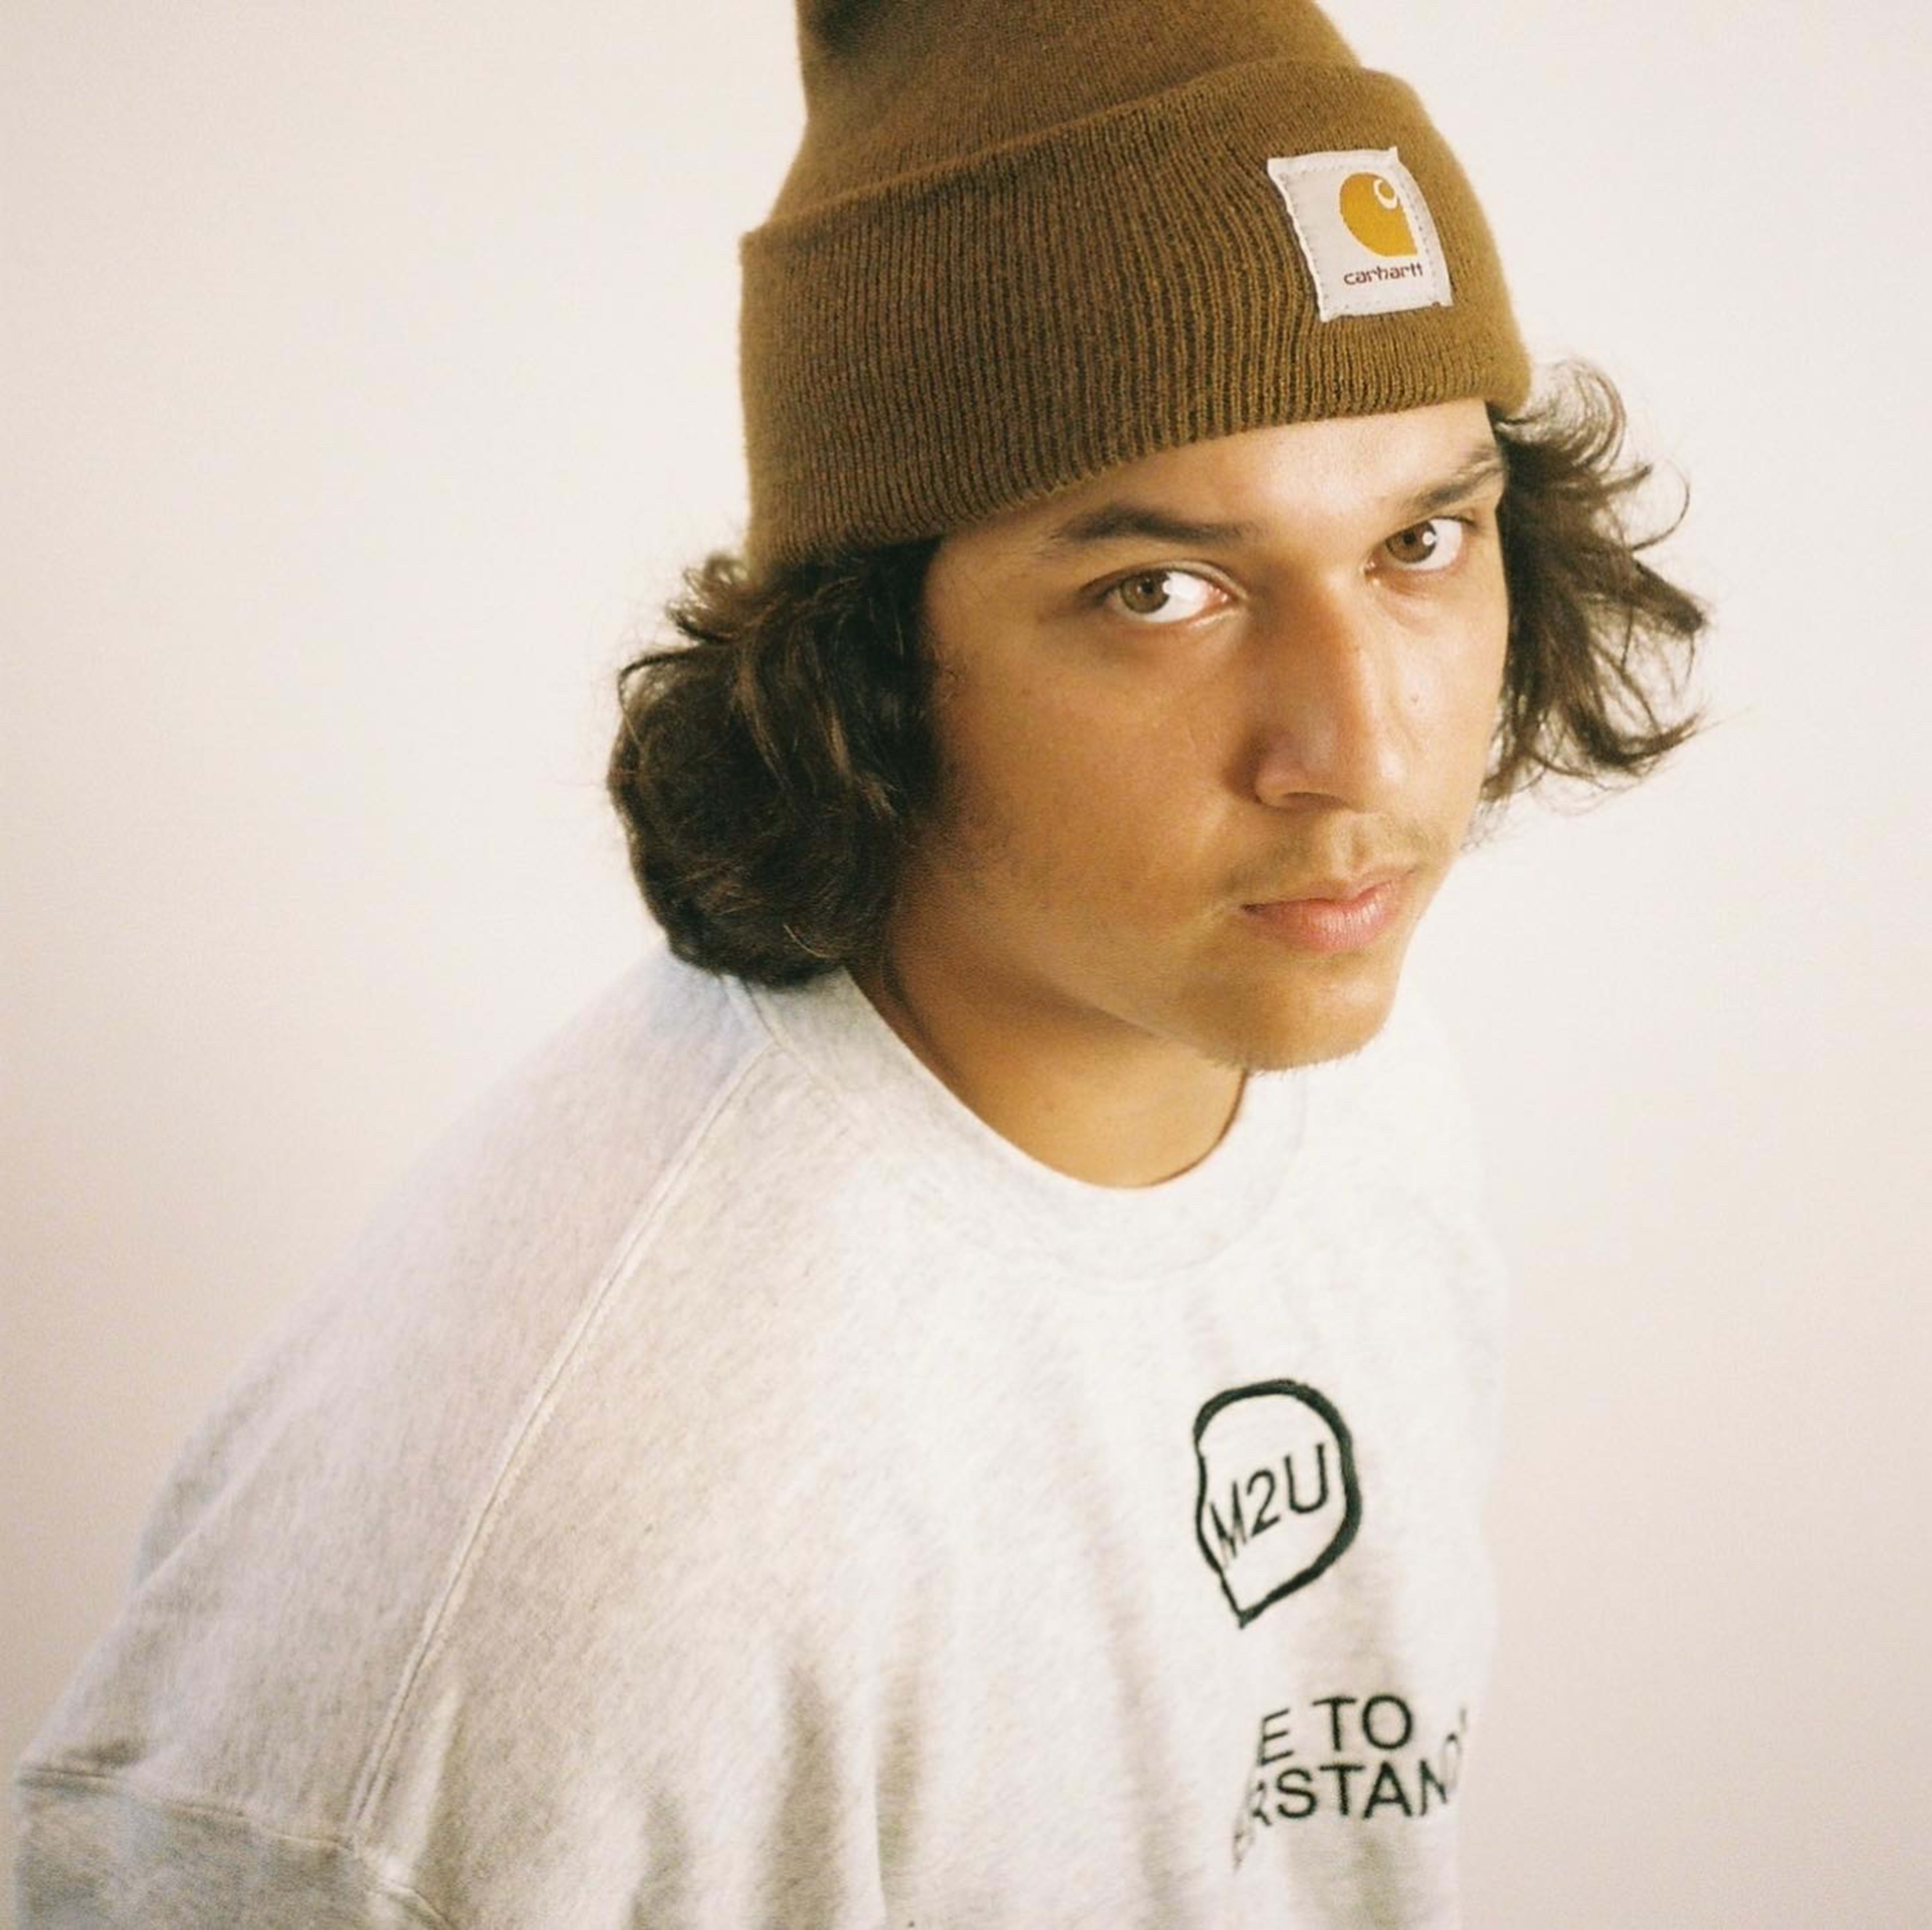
(1145,599)
(1438,554)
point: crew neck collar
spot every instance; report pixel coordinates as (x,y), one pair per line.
(1003,1195)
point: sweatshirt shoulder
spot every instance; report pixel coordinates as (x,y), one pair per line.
(1401,1106)
(313,1523)
(610,1100)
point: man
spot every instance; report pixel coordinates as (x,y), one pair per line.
(960,1396)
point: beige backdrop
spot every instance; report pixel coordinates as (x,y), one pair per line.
(368,368)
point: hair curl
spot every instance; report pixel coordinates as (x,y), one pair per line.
(772,769)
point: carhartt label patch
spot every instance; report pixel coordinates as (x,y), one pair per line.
(1365,230)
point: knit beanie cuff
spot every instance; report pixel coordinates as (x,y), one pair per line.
(924,352)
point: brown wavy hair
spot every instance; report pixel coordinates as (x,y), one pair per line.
(773,768)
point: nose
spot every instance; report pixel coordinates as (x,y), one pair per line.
(1336,702)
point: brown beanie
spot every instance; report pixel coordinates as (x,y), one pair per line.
(1023,241)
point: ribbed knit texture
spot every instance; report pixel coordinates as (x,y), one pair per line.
(1025,241)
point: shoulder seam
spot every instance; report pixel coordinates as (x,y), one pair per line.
(95,1782)
(621,1258)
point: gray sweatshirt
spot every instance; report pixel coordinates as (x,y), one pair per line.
(727,1485)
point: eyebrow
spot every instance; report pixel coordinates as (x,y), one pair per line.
(1110,521)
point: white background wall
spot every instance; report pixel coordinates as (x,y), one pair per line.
(370,370)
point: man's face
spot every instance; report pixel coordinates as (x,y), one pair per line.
(1143,737)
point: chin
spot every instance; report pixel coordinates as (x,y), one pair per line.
(1305,1027)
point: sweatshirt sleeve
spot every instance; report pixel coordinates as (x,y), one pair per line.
(95,1854)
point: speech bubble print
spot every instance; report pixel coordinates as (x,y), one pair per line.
(1373,211)
(1279,1501)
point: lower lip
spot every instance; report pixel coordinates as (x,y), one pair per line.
(1334,924)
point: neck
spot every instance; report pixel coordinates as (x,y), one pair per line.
(1098,1101)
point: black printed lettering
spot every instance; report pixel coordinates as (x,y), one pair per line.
(1341,1772)
(1381,274)
(1230,1539)
(1335,1704)
(1257,1803)
(1399,1782)
(1402,1715)
(1387,1789)
(1263,1520)
(1320,1501)
(1294,1786)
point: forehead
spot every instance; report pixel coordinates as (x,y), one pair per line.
(1238,488)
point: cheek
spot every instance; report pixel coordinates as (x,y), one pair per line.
(1457,698)
(1485,689)
(1067,780)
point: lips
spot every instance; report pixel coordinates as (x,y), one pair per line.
(1333,891)
(1318,923)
